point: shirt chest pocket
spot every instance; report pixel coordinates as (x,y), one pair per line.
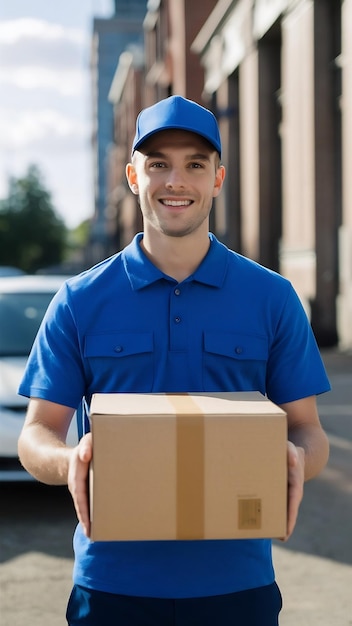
(234,362)
(120,361)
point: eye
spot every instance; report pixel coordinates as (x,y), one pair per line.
(157,165)
(196,165)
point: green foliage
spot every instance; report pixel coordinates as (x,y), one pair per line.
(32,236)
(79,236)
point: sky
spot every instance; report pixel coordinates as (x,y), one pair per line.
(45,98)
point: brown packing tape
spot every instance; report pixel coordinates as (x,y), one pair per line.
(190,467)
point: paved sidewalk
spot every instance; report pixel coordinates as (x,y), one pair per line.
(314,568)
(316,591)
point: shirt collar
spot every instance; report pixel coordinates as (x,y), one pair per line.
(141,271)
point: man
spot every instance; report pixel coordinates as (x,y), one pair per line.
(175,311)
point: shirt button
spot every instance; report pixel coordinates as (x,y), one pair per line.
(118,349)
(177,320)
(238,350)
(177,291)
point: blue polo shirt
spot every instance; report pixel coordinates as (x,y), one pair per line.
(124,326)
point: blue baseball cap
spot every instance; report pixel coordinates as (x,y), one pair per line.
(179,113)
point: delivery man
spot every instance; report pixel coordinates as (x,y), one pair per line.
(175,311)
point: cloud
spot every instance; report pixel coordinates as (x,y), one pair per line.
(38,54)
(45,129)
(44,84)
(70,83)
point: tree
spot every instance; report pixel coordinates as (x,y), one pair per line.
(32,236)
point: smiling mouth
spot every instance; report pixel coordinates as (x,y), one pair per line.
(176,203)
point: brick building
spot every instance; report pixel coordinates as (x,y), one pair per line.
(278,76)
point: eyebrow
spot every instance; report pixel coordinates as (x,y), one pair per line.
(198,156)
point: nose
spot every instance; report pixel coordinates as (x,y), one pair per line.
(175,179)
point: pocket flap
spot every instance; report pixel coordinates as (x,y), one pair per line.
(236,346)
(118,344)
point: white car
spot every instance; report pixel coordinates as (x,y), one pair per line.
(23,302)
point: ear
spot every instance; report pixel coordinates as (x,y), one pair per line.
(219,180)
(131,176)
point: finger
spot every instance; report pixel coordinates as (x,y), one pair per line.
(85,448)
(292,454)
(295,486)
(82,510)
(78,483)
(293,507)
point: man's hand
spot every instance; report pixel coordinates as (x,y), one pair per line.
(78,480)
(307,452)
(295,477)
(44,453)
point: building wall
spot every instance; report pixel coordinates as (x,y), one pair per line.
(278,76)
(344,300)
(297,254)
(186,18)
(269,141)
(286,55)
(328,172)
(169,67)
(249,154)
(110,38)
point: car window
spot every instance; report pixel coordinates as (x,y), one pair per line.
(20,318)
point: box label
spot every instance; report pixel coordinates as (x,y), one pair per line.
(249,514)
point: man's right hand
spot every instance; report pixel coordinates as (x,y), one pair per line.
(77,480)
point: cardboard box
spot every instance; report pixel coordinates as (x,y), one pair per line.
(200,466)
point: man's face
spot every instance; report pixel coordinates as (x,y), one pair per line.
(176,175)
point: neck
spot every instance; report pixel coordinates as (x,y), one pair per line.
(177,257)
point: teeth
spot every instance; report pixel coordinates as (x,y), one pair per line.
(177,202)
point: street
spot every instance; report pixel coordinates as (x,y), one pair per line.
(36,527)
(314,569)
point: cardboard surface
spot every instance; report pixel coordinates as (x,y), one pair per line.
(187,466)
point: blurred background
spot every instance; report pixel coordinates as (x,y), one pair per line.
(276,73)
(73,77)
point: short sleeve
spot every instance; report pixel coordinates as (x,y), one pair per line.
(295,367)
(54,368)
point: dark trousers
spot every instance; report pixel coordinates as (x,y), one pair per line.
(256,607)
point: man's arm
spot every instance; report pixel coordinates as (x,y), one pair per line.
(45,455)
(308,451)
